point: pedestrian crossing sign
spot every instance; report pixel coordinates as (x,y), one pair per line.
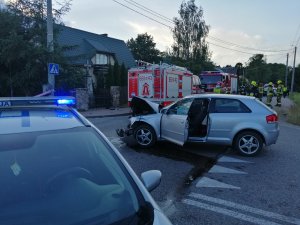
(53,68)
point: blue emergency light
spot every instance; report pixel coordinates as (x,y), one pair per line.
(29,101)
(66,101)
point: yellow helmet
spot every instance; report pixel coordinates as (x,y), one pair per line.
(253,83)
(279,82)
(270,83)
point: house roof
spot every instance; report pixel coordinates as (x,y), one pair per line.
(86,44)
(228,69)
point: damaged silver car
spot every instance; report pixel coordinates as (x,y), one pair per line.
(242,122)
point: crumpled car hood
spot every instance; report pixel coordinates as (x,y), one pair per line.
(141,106)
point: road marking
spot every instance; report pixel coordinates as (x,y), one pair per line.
(228,212)
(232,160)
(207,182)
(116,141)
(221,169)
(246,208)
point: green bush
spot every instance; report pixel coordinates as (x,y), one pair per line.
(294,112)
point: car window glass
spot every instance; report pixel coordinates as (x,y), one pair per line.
(181,107)
(224,105)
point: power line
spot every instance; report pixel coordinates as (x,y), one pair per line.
(249,53)
(136,4)
(140,6)
(240,46)
(297,41)
(142,14)
(295,38)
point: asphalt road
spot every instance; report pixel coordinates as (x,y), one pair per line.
(217,186)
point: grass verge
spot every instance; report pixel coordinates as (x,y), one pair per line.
(293,115)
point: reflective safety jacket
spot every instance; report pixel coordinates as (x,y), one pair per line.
(279,89)
(270,91)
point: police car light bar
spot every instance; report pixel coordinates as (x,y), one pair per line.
(29,101)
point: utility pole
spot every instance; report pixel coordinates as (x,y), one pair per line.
(51,77)
(293,74)
(287,68)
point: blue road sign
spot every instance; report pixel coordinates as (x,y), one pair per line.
(53,68)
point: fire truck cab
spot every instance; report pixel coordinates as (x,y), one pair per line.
(209,80)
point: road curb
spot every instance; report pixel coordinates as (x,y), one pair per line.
(101,116)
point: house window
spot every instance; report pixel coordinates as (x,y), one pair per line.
(101,59)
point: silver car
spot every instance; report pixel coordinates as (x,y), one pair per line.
(57,168)
(242,122)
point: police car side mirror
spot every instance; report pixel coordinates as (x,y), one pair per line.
(163,111)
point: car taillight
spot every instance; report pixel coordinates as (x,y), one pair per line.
(272,118)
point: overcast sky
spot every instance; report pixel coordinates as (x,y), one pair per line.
(253,25)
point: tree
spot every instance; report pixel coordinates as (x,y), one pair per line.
(144,48)
(24,54)
(257,69)
(189,33)
(124,73)
(239,72)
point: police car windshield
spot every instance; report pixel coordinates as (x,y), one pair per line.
(67,176)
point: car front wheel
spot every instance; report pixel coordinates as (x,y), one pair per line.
(248,143)
(145,136)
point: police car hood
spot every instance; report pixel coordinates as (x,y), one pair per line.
(141,106)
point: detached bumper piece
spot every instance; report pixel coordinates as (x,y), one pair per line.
(127,136)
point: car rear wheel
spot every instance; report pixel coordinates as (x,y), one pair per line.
(248,143)
(145,136)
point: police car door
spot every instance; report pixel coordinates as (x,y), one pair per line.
(174,122)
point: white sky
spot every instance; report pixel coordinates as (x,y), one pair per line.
(259,24)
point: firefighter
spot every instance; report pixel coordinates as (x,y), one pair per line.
(242,90)
(270,93)
(247,89)
(217,89)
(260,91)
(279,92)
(253,89)
(285,91)
(226,90)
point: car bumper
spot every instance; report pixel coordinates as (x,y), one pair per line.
(272,137)
(127,136)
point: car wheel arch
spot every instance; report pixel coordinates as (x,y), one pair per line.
(146,127)
(248,130)
(248,142)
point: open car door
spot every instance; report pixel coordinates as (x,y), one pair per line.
(174,121)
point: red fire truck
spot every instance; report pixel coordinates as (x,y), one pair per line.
(209,80)
(162,83)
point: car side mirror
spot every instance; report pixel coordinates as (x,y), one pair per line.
(163,111)
(151,179)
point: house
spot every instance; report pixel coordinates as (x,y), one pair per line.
(228,69)
(94,52)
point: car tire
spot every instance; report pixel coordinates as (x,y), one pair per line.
(248,143)
(145,136)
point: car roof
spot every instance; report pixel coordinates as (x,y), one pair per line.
(18,116)
(211,95)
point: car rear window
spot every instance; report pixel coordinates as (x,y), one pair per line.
(223,105)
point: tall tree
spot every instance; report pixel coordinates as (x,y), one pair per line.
(239,72)
(257,69)
(190,32)
(144,48)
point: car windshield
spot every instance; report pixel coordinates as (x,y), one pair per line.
(69,176)
(210,79)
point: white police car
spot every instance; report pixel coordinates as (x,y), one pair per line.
(58,168)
